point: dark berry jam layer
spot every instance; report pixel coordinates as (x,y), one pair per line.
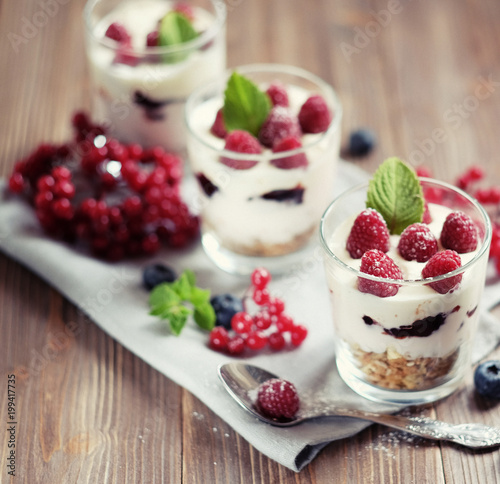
(419,328)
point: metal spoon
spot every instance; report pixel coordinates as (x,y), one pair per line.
(242,380)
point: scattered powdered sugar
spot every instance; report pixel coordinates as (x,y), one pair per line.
(198,416)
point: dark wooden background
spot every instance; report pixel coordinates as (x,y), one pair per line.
(424,75)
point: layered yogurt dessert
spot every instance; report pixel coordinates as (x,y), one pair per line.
(146,57)
(405,295)
(265,160)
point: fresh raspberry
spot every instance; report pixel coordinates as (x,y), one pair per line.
(288,162)
(459,233)
(219,128)
(375,263)
(118,32)
(314,115)
(369,231)
(241,142)
(442,263)
(278,398)
(278,95)
(280,123)
(418,243)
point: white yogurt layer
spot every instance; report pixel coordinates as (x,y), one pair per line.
(236,213)
(167,83)
(411,303)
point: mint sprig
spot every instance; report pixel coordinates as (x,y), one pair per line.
(395,192)
(246,107)
(175,29)
(177,301)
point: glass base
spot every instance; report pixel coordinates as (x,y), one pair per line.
(244,265)
(399,397)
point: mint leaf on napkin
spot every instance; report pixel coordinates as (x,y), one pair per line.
(395,192)
(177,301)
(246,107)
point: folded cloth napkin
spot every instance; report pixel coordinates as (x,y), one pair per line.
(112,295)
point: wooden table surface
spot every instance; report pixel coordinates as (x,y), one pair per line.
(423,75)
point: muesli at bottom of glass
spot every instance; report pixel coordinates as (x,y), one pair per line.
(413,347)
(262,209)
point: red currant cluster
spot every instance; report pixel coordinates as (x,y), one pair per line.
(269,327)
(488,197)
(122,200)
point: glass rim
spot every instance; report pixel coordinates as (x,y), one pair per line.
(205,37)
(410,282)
(219,85)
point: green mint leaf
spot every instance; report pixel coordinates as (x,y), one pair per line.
(204,316)
(162,298)
(175,29)
(183,285)
(175,301)
(177,319)
(199,296)
(395,192)
(246,107)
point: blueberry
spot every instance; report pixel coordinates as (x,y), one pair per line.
(225,307)
(361,142)
(155,274)
(487,379)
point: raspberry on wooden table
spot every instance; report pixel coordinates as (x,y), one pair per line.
(369,231)
(375,263)
(278,398)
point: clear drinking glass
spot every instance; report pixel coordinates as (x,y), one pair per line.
(140,91)
(413,347)
(265,214)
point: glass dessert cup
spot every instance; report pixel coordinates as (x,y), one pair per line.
(264,214)
(139,92)
(413,347)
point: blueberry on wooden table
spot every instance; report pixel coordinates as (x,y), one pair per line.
(487,379)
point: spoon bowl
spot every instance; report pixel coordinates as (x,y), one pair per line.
(242,381)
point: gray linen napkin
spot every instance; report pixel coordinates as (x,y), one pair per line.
(112,295)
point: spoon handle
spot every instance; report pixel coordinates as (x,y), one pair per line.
(469,435)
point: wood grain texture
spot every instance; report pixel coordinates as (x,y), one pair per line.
(424,75)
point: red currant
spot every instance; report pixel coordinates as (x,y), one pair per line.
(242,322)
(284,323)
(260,278)
(256,340)
(261,296)
(16,182)
(298,334)
(218,338)
(262,320)
(276,306)
(236,345)
(277,341)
